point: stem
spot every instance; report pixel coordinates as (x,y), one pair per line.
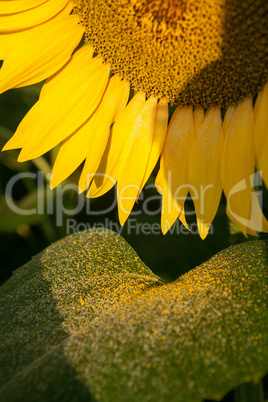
(43,165)
(249,392)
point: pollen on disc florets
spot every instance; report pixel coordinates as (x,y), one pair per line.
(200,52)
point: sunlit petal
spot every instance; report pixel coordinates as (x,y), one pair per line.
(86,81)
(160,132)
(115,99)
(31,17)
(107,173)
(238,164)
(16,6)
(172,179)
(34,54)
(261,132)
(204,169)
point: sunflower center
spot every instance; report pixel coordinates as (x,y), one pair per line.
(160,15)
(200,52)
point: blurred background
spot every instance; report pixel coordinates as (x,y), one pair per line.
(22,236)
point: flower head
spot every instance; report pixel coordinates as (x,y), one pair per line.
(207,57)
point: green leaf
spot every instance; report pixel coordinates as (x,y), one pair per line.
(86,320)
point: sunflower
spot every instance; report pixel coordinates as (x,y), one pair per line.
(115,69)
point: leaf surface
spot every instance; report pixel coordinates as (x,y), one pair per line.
(87,320)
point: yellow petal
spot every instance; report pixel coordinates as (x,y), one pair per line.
(261,132)
(20,138)
(105,176)
(75,98)
(5,41)
(198,117)
(204,169)
(172,179)
(124,99)
(134,157)
(159,136)
(238,166)
(8,41)
(115,96)
(71,154)
(61,76)
(107,173)
(35,55)
(257,219)
(228,117)
(17,6)
(31,17)
(160,132)
(90,140)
